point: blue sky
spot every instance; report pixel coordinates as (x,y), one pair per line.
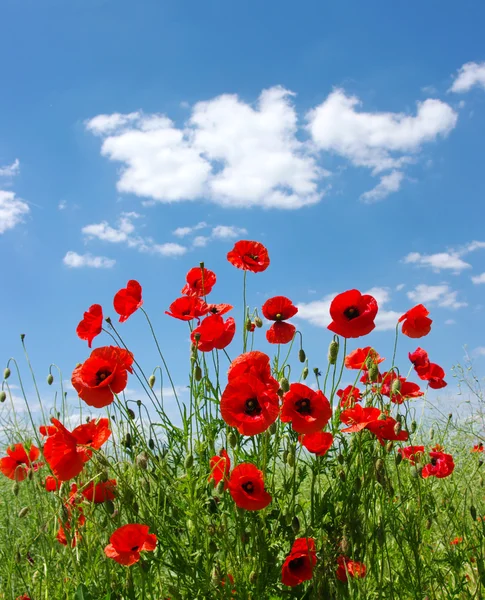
(348,137)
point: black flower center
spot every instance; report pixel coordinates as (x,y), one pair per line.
(303,406)
(252,407)
(253,256)
(101,375)
(135,548)
(248,487)
(434,461)
(297,563)
(352,312)
(278,317)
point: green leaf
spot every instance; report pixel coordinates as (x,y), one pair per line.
(82,593)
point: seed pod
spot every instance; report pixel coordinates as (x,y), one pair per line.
(333,352)
(131,414)
(232,439)
(301,355)
(284,384)
(23,512)
(291,457)
(398,459)
(342,475)
(3,396)
(142,461)
(450,416)
(431,433)
(6,373)
(15,488)
(272,428)
(316,370)
(373,372)
(389,446)
(253,577)
(258,322)
(295,525)
(197,373)
(413,427)
(304,373)
(397,428)
(151,380)
(396,387)
(127,441)
(189,461)
(50,379)
(473,512)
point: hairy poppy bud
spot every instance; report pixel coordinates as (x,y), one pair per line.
(197,373)
(333,352)
(398,459)
(253,577)
(3,396)
(30,474)
(316,370)
(295,525)
(373,372)
(211,529)
(6,373)
(131,414)
(301,355)
(397,428)
(127,441)
(249,324)
(291,458)
(272,428)
(304,373)
(189,461)
(473,512)
(15,488)
(23,512)
(450,416)
(342,475)
(151,443)
(389,446)
(431,433)
(220,487)
(413,427)
(151,380)
(232,439)
(284,384)
(142,461)
(379,465)
(395,387)
(50,379)
(258,322)
(197,336)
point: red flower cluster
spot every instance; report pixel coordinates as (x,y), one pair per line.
(299,563)
(347,567)
(360,358)
(372,419)
(249,256)
(349,396)
(353,314)
(415,322)
(100,492)
(279,309)
(411,453)
(441,465)
(246,486)
(128,541)
(103,374)
(426,370)
(404,390)
(18,463)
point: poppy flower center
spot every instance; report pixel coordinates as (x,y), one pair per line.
(352,312)
(303,406)
(101,375)
(135,548)
(252,407)
(253,256)
(278,317)
(434,462)
(248,487)
(297,563)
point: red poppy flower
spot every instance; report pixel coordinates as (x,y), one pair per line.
(91,325)
(349,396)
(51,484)
(348,567)
(252,327)
(249,256)
(279,308)
(353,314)
(100,492)
(187,308)
(416,322)
(280,333)
(307,410)
(249,405)
(434,375)
(358,417)
(408,389)
(230,580)
(478,447)
(66,452)
(411,453)
(246,487)
(420,359)
(105,372)
(128,541)
(128,300)
(385,430)
(220,467)
(318,443)
(214,333)
(253,363)
(441,465)
(199,282)
(219,309)
(299,563)
(24,597)
(18,463)
(358,358)
(457,540)
(46,430)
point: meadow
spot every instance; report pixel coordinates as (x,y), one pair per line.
(275,481)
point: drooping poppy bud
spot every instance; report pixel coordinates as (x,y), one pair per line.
(333,352)
(50,379)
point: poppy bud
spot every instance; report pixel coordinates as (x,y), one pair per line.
(23,512)
(197,373)
(389,446)
(232,439)
(142,461)
(398,459)
(304,374)
(291,458)
(197,336)
(379,465)
(317,372)
(373,372)
(357,484)
(211,529)
(395,387)
(215,576)
(248,324)
(3,396)
(397,428)
(284,384)
(341,459)
(151,443)
(295,525)
(220,487)
(258,322)
(473,512)
(413,427)
(110,507)
(6,373)
(272,428)
(301,355)
(15,488)
(344,545)
(333,349)
(189,461)
(50,379)
(131,413)
(342,475)
(213,547)
(151,380)
(450,416)
(431,433)
(127,441)
(253,577)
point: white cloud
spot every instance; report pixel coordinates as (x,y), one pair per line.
(184,231)
(440,294)
(168,249)
(475,245)
(469,75)
(200,241)
(480,351)
(62,205)
(400,287)
(10,170)
(388,184)
(73,260)
(438,261)
(477,279)
(106,233)
(12,211)
(450,322)
(105,124)
(227,232)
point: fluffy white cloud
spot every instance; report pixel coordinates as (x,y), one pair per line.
(469,75)
(227,232)
(184,231)
(450,322)
(440,294)
(480,351)
(438,261)
(477,279)
(475,245)
(388,184)
(168,249)
(201,241)
(106,124)
(12,211)
(10,170)
(73,260)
